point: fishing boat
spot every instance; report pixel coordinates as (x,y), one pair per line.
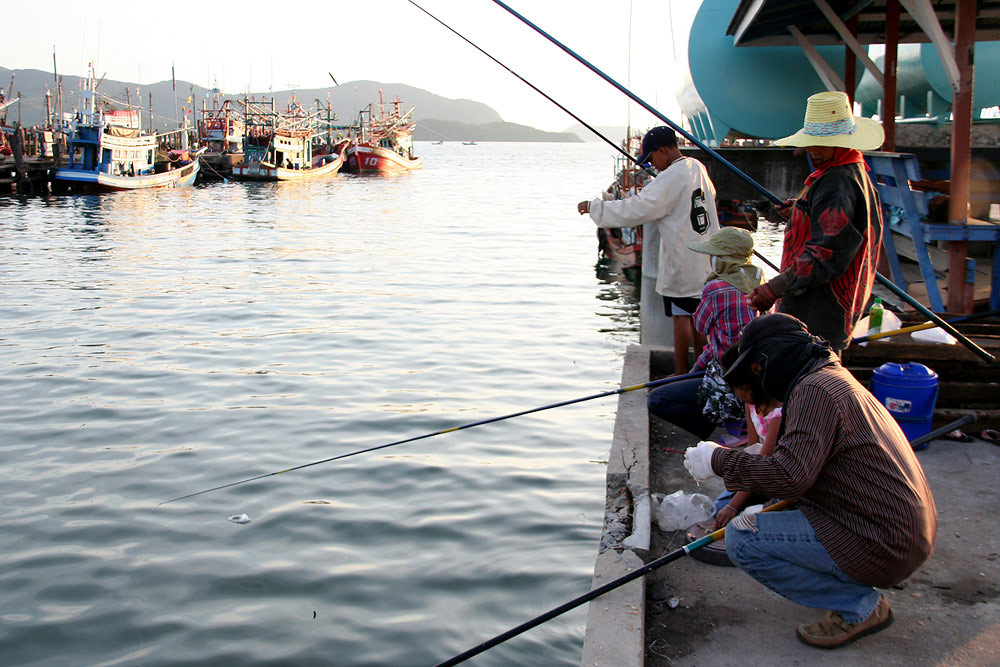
(623,246)
(289,146)
(108,151)
(220,132)
(384,141)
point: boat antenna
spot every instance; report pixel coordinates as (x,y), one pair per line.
(603,394)
(628,79)
(891,286)
(533,87)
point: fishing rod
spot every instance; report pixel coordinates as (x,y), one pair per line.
(980,352)
(653,565)
(921,327)
(621,390)
(537,90)
(599,591)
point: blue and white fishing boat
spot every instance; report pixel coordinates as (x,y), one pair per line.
(108,151)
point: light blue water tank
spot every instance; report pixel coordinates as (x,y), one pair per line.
(920,78)
(911,85)
(986,74)
(756,91)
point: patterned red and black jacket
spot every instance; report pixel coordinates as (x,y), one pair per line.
(830,253)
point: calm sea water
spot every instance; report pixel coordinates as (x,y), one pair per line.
(158,343)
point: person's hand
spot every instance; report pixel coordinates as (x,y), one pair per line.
(762,298)
(698,460)
(725,515)
(785,210)
(583,207)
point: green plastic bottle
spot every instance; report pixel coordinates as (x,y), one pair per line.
(875,315)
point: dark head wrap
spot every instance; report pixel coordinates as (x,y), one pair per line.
(783,347)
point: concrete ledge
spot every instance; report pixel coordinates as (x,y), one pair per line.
(616,621)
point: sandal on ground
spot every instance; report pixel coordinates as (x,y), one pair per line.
(990,435)
(714,553)
(957,436)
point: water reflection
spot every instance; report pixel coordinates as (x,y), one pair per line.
(238,329)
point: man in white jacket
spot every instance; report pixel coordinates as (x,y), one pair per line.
(681,201)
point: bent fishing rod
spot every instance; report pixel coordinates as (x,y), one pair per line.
(603,394)
(891,286)
(924,326)
(599,591)
(536,89)
(654,565)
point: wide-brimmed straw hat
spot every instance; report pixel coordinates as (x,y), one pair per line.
(830,122)
(730,241)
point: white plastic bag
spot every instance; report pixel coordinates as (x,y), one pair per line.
(680,510)
(639,539)
(935,335)
(890,322)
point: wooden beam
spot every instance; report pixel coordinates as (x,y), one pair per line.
(851,65)
(961,153)
(924,14)
(850,41)
(888,111)
(830,79)
(748,19)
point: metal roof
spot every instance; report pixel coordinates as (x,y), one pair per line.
(764,22)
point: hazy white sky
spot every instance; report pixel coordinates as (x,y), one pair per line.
(279,46)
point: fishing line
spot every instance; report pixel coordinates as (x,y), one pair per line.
(535,88)
(653,565)
(891,286)
(621,390)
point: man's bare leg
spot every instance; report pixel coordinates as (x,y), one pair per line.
(700,340)
(683,333)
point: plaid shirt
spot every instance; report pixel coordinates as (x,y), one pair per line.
(721,315)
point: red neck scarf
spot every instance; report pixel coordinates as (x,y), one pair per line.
(841,156)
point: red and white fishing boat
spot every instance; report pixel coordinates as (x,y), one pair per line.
(286,147)
(384,141)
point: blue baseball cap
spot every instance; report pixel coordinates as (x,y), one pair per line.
(658,137)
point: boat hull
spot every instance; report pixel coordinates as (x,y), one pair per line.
(258,171)
(363,159)
(94,180)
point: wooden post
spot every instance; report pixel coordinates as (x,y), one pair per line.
(961,153)
(889,90)
(851,63)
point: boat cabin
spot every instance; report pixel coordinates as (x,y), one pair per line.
(110,142)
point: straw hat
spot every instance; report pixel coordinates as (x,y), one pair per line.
(730,241)
(830,122)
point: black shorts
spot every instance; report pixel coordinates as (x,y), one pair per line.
(674,305)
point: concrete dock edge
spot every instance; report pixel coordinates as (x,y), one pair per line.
(615,633)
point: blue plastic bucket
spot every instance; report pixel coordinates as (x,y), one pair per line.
(909,392)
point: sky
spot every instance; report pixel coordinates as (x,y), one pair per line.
(254,44)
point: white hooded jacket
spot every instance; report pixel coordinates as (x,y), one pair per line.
(681,201)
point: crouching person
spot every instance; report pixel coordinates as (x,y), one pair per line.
(864,517)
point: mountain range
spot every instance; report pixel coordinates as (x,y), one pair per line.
(437,117)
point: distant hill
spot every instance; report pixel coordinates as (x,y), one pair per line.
(614,133)
(468,119)
(434,129)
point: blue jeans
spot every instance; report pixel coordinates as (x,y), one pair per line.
(678,404)
(786,556)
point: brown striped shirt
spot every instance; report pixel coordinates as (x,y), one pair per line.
(856,477)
